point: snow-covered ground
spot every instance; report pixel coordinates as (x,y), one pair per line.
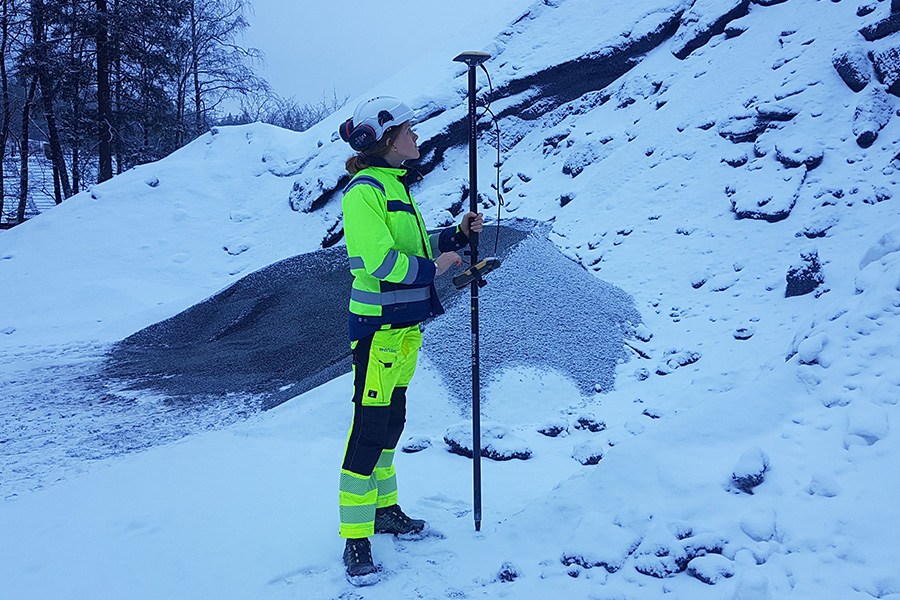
(734,386)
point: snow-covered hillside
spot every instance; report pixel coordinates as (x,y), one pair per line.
(709,158)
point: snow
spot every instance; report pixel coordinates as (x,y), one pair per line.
(106,493)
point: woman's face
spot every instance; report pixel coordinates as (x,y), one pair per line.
(404,145)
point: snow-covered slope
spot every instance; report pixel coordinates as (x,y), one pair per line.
(708,158)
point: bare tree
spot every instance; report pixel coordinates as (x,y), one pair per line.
(214,67)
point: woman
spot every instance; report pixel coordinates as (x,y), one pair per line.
(393,261)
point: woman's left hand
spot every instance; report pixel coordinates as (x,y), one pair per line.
(472,222)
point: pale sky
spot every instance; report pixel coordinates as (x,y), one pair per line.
(348,46)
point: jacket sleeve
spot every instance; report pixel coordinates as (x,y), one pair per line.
(370,245)
(449,239)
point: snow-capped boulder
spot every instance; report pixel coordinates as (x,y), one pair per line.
(872,114)
(590,452)
(711,568)
(498,442)
(667,550)
(750,470)
(676,358)
(794,151)
(854,67)
(598,543)
(881,29)
(766,191)
(759,524)
(887,67)
(416,443)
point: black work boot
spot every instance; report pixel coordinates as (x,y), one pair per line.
(358,560)
(392,519)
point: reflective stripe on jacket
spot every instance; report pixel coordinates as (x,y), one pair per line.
(391,253)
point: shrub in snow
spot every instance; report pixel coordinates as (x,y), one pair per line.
(555,429)
(590,452)
(710,568)
(854,68)
(498,442)
(590,424)
(507,573)
(750,470)
(804,277)
(872,114)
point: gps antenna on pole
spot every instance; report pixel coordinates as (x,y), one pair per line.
(473,59)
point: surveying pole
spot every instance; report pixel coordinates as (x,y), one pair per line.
(473,59)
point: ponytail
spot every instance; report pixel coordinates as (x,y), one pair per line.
(357,163)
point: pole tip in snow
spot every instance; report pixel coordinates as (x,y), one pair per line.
(477,525)
(472,58)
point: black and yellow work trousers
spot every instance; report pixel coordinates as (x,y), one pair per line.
(383,365)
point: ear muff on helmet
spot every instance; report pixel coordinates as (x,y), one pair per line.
(361,137)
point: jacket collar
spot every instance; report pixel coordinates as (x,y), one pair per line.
(406,175)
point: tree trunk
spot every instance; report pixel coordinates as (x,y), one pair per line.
(116,101)
(195,65)
(38,32)
(104,112)
(75,58)
(24,151)
(7,113)
(63,191)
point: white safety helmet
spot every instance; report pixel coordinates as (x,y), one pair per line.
(371,119)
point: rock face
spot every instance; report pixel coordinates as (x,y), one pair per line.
(706,19)
(881,29)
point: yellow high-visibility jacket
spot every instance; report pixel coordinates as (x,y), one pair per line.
(391,253)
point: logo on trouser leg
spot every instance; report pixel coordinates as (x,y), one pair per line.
(373,394)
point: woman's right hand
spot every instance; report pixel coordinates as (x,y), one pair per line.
(445,260)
